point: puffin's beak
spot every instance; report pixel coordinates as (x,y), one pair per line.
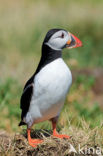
(74,42)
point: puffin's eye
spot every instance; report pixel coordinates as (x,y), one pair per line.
(62,35)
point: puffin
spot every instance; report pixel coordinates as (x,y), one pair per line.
(44,93)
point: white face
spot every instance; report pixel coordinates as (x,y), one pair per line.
(59,40)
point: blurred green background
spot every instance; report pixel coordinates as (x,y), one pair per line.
(23,25)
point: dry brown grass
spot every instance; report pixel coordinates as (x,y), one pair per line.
(17,145)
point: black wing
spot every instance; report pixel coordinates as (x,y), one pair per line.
(27,94)
(25,100)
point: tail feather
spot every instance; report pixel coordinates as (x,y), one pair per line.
(21,123)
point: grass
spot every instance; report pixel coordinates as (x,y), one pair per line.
(23,25)
(84,137)
(9,109)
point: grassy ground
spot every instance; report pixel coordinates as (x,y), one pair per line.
(23,25)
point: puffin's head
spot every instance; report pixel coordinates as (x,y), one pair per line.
(58,39)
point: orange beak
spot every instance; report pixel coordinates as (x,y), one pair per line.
(74,42)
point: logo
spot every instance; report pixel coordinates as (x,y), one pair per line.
(72,149)
(85,150)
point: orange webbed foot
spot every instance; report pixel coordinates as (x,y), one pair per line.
(61,136)
(56,134)
(33,142)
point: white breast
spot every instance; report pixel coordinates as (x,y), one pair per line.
(51,85)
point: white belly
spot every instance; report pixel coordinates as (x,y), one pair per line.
(51,85)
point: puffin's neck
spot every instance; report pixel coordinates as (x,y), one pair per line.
(48,55)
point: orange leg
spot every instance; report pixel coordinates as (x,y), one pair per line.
(56,134)
(33,142)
